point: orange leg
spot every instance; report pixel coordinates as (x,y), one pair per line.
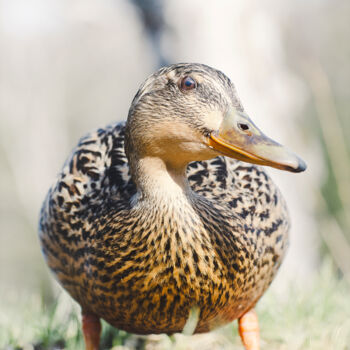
(248,327)
(91,330)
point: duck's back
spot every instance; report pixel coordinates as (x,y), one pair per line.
(92,197)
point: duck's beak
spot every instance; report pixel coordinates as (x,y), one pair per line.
(238,137)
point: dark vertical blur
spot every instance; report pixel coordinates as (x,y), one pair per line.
(152,16)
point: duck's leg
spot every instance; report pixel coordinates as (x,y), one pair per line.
(91,330)
(248,327)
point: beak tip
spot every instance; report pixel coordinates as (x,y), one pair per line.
(301,166)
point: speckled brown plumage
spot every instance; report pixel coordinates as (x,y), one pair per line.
(142,262)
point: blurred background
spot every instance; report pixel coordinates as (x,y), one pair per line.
(69,66)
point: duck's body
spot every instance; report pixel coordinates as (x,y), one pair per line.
(143,267)
(139,237)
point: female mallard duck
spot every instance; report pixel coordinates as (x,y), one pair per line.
(147,219)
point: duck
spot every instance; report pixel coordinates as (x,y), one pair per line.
(169,211)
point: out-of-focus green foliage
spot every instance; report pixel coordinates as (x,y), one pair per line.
(319,59)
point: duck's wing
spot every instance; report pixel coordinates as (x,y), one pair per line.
(95,174)
(94,181)
(93,184)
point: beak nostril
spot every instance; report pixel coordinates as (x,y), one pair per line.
(243,127)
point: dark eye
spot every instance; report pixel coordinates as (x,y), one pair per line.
(188,83)
(243,127)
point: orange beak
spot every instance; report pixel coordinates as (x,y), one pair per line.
(238,137)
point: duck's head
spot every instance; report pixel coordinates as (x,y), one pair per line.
(188,112)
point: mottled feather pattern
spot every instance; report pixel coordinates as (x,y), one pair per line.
(144,271)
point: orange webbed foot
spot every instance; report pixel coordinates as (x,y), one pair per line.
(248,327)
(91,331)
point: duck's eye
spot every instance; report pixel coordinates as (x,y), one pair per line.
(188,83)
(243,127)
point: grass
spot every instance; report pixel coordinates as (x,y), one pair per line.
(307,318)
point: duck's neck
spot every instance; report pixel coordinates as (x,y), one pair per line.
(157,181)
